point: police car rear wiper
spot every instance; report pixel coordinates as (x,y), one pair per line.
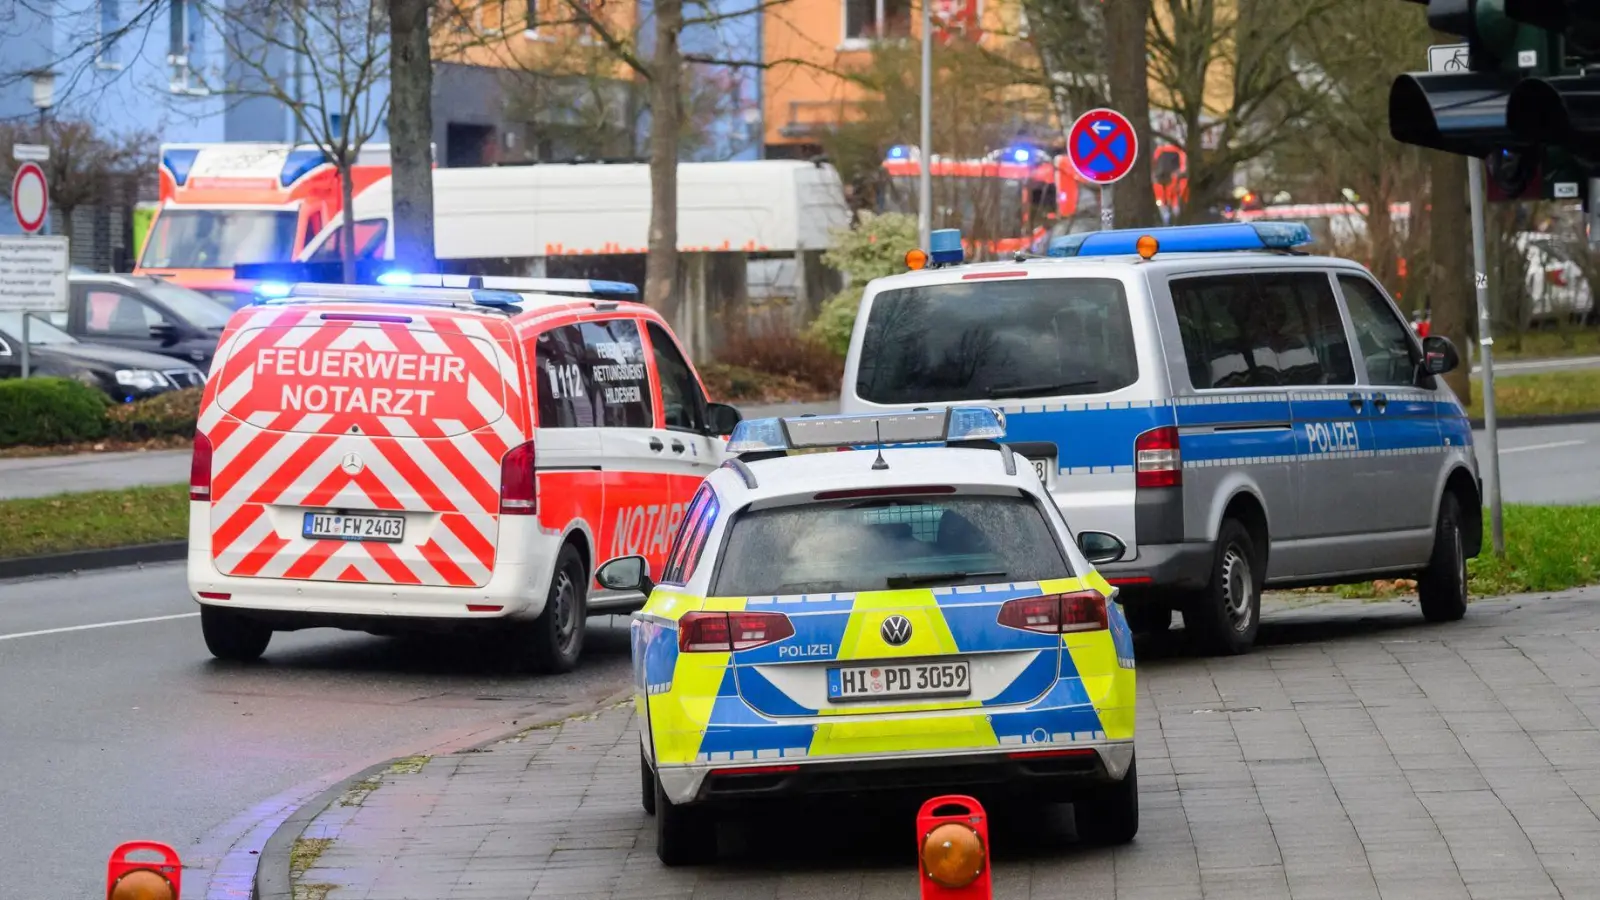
(909,580)
(1032,390)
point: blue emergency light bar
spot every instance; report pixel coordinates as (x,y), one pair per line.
(957,423)
(584,286)
(944,246)
(1229,236)
(379,294)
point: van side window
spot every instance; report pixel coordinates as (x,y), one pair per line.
(592,375)
(1271,330)
(680,393)
(1385,340)
(691,540)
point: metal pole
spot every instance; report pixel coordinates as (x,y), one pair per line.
(1480,269)
(1107,206)
(925,170)
(27,362)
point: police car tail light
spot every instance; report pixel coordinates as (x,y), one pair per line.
(200,469)
(1056,613)
(1156,460)
(712,632)
(519,491)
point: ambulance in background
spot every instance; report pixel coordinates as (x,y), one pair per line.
(228,204)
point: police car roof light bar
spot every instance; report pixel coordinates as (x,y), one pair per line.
(375,294)
(958,423)
(944,246)
(1225,237)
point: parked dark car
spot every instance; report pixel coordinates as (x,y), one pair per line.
(137,312)
(125,375)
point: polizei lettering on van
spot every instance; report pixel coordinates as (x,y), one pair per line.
(645,530)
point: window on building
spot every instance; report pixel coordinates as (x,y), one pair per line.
(110,24)
(532,24)
(867,20)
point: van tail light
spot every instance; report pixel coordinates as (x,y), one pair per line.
(712,632)
(519,490)
(1156,460)
(1056,613)
(200,468)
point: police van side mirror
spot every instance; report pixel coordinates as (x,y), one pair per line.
(722,419)
(1439,355)
(1100,548)
(625,573)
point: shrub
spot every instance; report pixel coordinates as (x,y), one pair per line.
(874,248)
(50,411)
(172,414)
(787,356)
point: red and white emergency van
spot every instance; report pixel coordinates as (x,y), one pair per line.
(398,459)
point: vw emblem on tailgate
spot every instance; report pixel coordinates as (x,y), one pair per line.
(352,463)
(896,630)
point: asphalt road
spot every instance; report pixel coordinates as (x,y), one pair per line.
(115,723)
(1556,464)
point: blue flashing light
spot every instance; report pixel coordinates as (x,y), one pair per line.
(395,278)
(274,289)
(974,423)
(753,435)
(300,162)
(959,423)
(944,246)
(902,151)
(1231,236)
(613,287)
(179,162)
(498,299)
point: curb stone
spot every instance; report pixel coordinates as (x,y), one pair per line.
(272,881)
(1580,418)
(105,558)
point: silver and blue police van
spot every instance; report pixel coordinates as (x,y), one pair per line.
(1239,413)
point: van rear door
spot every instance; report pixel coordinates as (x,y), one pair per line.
(362,445)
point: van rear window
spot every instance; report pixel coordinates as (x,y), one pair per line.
(988,340)
(381,379)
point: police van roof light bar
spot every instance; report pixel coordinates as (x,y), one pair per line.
(1230,236)
(957,423)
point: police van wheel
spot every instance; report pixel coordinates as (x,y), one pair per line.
(1110,814)
(233,637)
(647,786)
(1226,616)
(556,637)
(685,835)
(1442,589)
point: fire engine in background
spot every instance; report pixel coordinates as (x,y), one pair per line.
(1016,198)
(239,203)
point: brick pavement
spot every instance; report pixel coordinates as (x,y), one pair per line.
(1358,754)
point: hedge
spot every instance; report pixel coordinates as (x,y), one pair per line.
(41,412)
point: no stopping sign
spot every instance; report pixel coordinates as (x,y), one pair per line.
(30,197)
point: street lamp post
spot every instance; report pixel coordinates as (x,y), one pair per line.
(44,96)
(925,170)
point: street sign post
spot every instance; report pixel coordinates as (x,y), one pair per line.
(33,279)
(30,197)
(1103,148)
(30,152)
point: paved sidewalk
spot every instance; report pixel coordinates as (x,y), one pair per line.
(41,476)
(1358,754)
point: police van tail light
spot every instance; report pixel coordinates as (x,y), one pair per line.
(200,468)
(712,632)
(519,492)
(1056,613)
(1156,460)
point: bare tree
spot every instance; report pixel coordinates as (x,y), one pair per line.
(86,166)
(411,132)
(1127,22)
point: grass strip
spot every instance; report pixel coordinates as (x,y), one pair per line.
(1542,394)
(93,520)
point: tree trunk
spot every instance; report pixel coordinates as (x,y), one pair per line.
(411,134)
(1126,22)
(666,117)
(1450,282)
(347,232)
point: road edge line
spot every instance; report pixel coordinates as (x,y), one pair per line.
(101,558)
(1581,418)
(272,880)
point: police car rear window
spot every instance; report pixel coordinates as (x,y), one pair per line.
(883,544)
(988,340)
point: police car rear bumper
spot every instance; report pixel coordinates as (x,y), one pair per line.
(1185,566)
(1049,773)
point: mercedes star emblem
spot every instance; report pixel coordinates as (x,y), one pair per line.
(352,463)
(896,630)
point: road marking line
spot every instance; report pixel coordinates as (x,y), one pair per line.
(23,634)
(1549,446)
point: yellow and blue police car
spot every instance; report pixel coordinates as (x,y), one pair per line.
(913,616)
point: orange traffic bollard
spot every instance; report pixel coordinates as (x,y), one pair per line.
(953,849)
(128,879)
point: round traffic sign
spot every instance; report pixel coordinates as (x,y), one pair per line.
(1102,146)
(30,197)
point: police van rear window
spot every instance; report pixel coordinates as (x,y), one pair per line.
(365,378)
(887,544)
(987,340)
